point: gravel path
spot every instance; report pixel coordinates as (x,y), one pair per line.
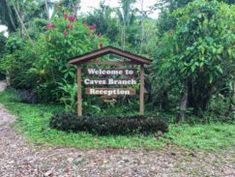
(19,158)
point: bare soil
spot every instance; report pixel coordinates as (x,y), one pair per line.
(19,158)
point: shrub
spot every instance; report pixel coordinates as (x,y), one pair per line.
(2,76)
(27,96)
(108,125)
(41,65)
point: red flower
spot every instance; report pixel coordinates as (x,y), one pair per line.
(65,33)
(65,16)
(101,45)
(50,25)
(93,27)
(71,18)
(69,26)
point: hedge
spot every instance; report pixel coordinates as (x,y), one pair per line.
(108,125)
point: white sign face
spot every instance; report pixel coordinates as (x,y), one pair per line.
(110,91)
(110,82)
(113,72)
(128,81)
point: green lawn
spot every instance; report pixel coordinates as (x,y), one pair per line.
(33,122)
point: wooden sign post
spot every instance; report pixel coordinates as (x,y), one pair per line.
(142,90)
(79,94)
(107,91)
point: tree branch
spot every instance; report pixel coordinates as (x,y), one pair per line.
(21,22)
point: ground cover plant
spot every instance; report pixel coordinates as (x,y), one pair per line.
(109,125)
(33,122)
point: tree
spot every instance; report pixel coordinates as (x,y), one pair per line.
(43,67)
(105,23)
(20,15)
(199,52)
(2,44)
(167,22)
(68,6)
(126,15)
(8,16)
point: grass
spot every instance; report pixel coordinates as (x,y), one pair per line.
(33,121)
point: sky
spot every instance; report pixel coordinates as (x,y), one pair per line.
(89,5)
(3,29)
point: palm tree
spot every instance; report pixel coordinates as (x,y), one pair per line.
(126,16)
(16,14)
(8,16)
(60,6)
(105,23)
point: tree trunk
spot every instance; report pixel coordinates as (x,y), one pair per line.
(142,25)
(233,99)
(124,36)
(21,23)
(12,21)
(47,9)
(76,7)
(198,96)
(184,102)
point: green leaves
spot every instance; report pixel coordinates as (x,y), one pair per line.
(203,49)
(45,64)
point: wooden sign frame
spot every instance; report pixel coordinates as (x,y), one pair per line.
(88,58)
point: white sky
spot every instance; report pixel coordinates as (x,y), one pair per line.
(89,5)
(4,30)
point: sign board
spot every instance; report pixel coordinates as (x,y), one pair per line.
(110,82)
(121,79)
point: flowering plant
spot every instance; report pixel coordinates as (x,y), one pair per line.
(64,38)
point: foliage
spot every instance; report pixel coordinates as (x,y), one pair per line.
(8,15)
(192,44)
(43,67)
(2,44)
(202,136)
(21,14)
(108,125)
(18,58)
(105,23)
(126,16)
(27,96)
(33,122)
(2,50)
(198,53)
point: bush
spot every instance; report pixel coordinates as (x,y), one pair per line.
(27,96)
(108,125)
(42,66)
(2,76)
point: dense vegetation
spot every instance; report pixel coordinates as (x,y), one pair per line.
(33,121)
(191,45)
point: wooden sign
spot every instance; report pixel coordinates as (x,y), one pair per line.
(121,77)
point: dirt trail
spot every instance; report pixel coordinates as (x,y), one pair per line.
(19,158)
